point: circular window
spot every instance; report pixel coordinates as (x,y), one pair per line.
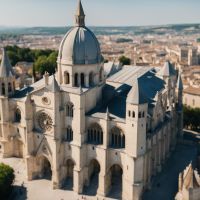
(45,122)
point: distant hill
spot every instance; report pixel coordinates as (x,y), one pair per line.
(187,28)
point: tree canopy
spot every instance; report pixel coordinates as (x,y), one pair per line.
(44,60)
(6,180)
(124,60)
(191,118)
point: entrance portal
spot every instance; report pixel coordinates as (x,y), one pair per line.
(93,173)
(116,182)
(45,168)
(68,182)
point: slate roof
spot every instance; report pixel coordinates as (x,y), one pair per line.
(167,70)
(6,68)
(80,46)
(136,95)
(54,87)
(136,84)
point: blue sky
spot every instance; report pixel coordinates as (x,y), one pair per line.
(99,12)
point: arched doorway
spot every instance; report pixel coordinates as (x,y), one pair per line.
(93,176)
(69,175)
(115,182)
(45,171)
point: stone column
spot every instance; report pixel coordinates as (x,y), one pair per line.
(102,191)
(78,182)
(56,178)
(87,80)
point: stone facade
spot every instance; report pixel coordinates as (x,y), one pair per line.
(189,184)
(79,124)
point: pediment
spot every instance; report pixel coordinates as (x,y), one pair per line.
(44,148)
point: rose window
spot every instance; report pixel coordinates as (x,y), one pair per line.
(45,122)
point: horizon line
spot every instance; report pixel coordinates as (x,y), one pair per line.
(54,26)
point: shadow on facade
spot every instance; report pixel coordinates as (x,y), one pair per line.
(115,174)
(68,182)
(94,170)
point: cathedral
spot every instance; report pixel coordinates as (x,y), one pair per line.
(81,123)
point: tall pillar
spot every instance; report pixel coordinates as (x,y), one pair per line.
(102,190)
(87,80)
(78,182)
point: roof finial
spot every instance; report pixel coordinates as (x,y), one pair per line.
(107,114)
(80,15)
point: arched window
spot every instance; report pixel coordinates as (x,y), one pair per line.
(95,134)
(82,80)
(129,113)
(143,115)
(17,115)
(69,135)
(3,89)
(101,75)
(70,110)
(117,138)
(9,87)
(140,115)
(91,79)
(66,78)
(76,80)
(133,114)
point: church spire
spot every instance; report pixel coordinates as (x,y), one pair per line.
(80,15)
(6,68)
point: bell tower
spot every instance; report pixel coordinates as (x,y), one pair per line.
(7,77)
(136,113)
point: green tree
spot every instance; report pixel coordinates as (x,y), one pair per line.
(191,118)
(6,180)
(124,60)
(44,63)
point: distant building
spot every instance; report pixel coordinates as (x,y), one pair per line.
(191,97)
(193,58)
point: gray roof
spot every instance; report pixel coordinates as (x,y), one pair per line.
(111,68)
(80,46)
(6,68)
(136,95)
(179,82)
(167,70)
(136,84)
(54,87)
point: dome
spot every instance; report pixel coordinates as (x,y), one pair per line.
(79,47)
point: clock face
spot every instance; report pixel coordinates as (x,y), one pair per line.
(45,122)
